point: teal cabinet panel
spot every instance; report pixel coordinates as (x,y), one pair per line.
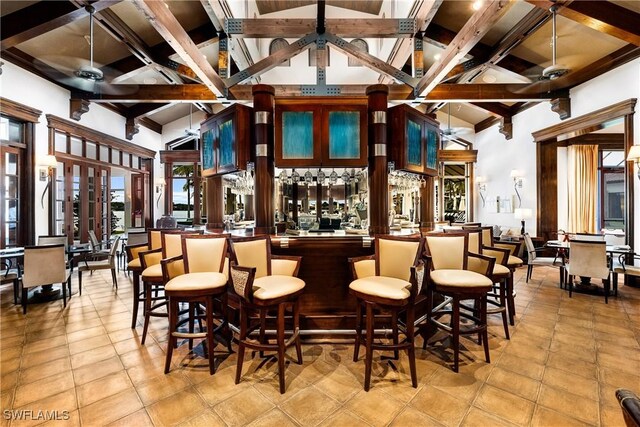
(297,135)
(344,135)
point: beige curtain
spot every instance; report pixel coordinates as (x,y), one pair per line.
(583,188)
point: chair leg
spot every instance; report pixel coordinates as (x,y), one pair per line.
(483,321)
(529,271)
(394,331)
(80,281)
(511,305)
(369,347)
(173,320)
(64,295)
(242,337)
(455,329)
(136,299)
(503,304)
(191,320)
(114,278)
(356,346)
(263,327)
(224,314)
(147,310)
(25,295)
(296,329)
(411,350)
(16,290)
(281,348)
(570,285)
(607,288)
(427,325)
(210,338)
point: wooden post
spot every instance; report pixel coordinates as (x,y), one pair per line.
(427,205)
(378,175)
(263,106)
(215,204)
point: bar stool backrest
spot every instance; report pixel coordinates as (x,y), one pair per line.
(396,256)
(475,238)
(487,236)
(447,250)
(172,242)
(137,237)
(44,265)
(155,237)
(204,253)
(254,252)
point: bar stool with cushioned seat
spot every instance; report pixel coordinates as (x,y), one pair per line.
(152,278)
(390,280)
(449,275)
(138,242)
(513,262)
(197,277)
(264,282)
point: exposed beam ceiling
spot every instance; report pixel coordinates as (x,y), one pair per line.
(42,17)
(472,32)
(170,29)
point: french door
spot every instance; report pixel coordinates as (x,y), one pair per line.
(11,172)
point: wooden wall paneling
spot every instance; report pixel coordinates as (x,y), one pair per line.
(547,187)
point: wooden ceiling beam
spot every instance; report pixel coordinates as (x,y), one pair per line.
(170,29)
(470,34)
(423,12)
(290,27)
(273,60)
(603,16)
(42,17)
(152,94)
(144,109)
(495,108)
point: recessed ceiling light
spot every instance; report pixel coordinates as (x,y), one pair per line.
(150,81)
(489,78)
(437,56)
(477,5)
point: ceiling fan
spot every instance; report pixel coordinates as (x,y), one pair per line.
(77,73)
(555,70)
(450,133)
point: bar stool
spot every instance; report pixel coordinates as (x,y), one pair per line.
(390,280)
(265,282)
(152,278)
(197,277)
(447,256)
(138,242)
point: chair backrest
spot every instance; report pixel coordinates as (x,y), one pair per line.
(396,255)
(172,242)
(155,237)
(587,237)
(253,252)
(204,252)
(137,237)
(531,250)
(44,265)
(114,247)
(615,239)
(588,259)
(487,236)
(475,238)
(95,243)
(447,250)
(54,240)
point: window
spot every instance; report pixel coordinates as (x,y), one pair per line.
(361,45)
(611,194)
(182,194)
(276,45)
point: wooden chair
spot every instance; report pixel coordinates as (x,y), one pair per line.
(390,280)
(448,275)
(198,276)
(621,267)
(10,275)
(102,264)
(45,265)
(265,282)
(589,259)
(137,242)
(533,260)
(97,250)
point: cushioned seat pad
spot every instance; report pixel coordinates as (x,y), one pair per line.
(514,261)
(499,269)
(271,287)
(383,287)
(460,278)
(134,263)
(545,261)
(196,282)
(154,271)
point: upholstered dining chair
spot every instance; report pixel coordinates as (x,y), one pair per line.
(447,256)
(389,281)
(97,251)
(534,260)
(101,264)
(621,266)
(151,275)
(45,265)
(589,259)
(265,282)
(198,276)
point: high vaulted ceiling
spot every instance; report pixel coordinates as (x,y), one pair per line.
(487,62)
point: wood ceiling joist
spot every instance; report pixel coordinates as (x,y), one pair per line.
(40,18)
(218,11)
(603,16)
(202,36)
(519,33)
(291,27)
(423,12)
(470,34)
(153,94)
(495,108)
(170,29)
(272,60)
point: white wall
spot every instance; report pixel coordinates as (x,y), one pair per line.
(26,88)
(497,156)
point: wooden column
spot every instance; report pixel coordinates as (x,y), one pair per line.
(378,177)
(215,204)
(248,207)
(427,204)
(263,106)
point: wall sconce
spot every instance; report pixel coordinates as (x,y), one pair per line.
(634,156)
(482,188)
(160,183)
(517,183)
(522,214)
(47,164)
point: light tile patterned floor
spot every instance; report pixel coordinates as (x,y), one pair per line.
(562,366)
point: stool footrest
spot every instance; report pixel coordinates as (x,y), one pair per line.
(189,335)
